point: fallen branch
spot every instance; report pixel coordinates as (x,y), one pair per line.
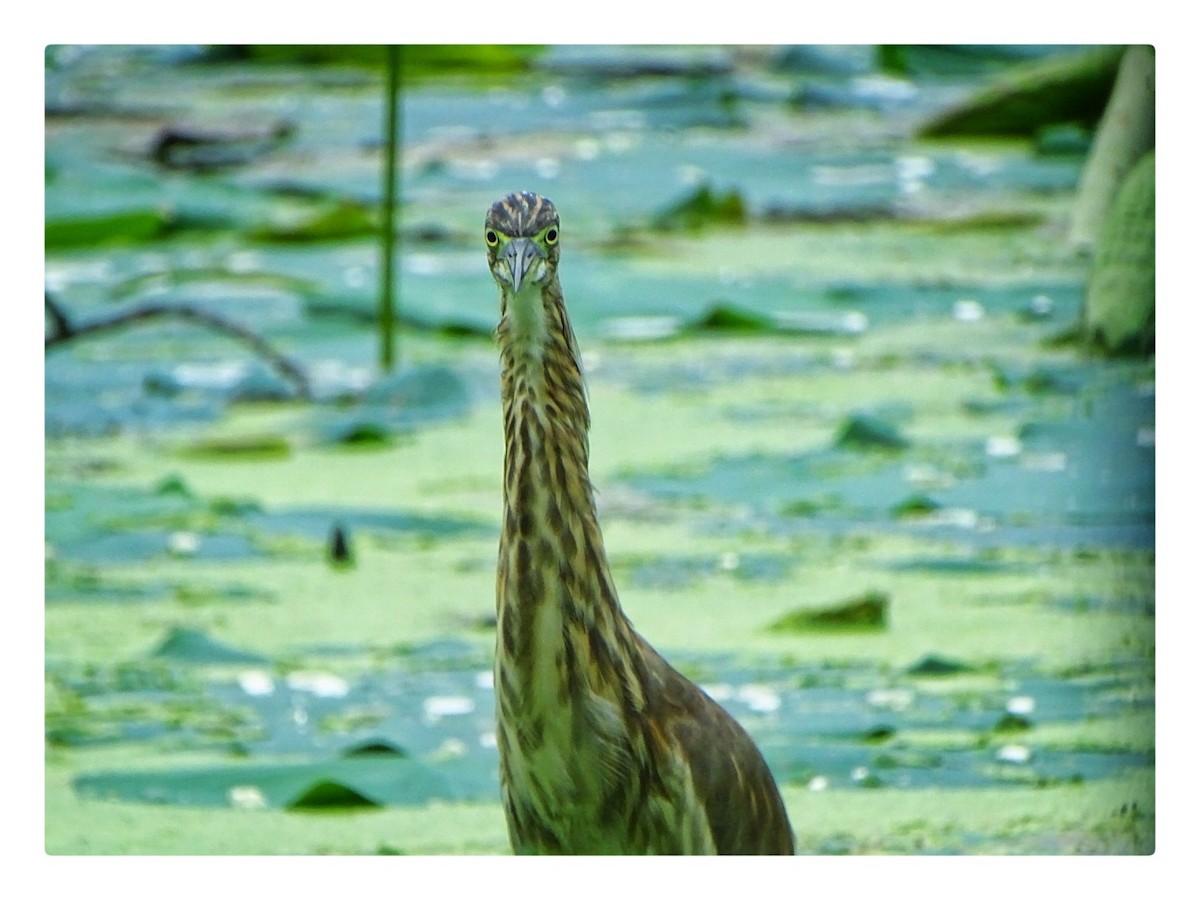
(65,330)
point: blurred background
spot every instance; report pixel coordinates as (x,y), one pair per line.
(869,339)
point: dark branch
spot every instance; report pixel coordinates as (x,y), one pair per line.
(65,331)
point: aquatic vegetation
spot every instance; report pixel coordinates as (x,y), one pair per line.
(866,613)
(848,485)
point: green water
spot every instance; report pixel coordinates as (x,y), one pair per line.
(212,676)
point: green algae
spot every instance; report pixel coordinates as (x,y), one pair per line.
(702,576)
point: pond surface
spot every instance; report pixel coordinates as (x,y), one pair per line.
(1079,472)
(852,384)
(845,728)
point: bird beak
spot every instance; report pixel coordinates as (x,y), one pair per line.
(520,254)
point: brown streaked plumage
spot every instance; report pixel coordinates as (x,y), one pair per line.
(604,748)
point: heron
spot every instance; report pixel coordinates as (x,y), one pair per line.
(604,747)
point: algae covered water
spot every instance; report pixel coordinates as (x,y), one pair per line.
(849,481)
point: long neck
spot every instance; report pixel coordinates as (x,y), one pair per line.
(541,385)
(554,589)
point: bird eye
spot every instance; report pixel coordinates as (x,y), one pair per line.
(552,237)
(490,237)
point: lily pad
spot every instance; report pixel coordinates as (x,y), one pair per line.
(174,486)
(126,226)
(867,613)
(249,447)
(725,318)
(915,507)
(326,795)
(374,748)
(1011,722)
(396,403)
(702,207)
(188,645)
(364,434)
(1072,88)
(206,149)
(938,665)
(338,221)
(864,432)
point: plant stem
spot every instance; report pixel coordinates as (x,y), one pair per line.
(387,269)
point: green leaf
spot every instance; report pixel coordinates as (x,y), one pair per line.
(867,612)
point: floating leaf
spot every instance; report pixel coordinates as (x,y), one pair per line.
(197,149)
(1071,88)
(702,207)
(879,734)
(365,434)
(954,565)
(864,432)
(375,747)
(938,665)
(865,613)
(174,486)
(337,221)
(326,794)
(726,318)
(916,507)
(124,226)
(425,387)
(1010,722)
(234,506)
(266,446)
(191,646)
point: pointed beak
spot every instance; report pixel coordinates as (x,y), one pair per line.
(520,254)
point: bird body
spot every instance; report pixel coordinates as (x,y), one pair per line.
(604,747)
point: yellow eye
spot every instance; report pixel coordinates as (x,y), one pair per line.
(551,237)
(491,238)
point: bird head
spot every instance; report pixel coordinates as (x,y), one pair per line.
(521,234)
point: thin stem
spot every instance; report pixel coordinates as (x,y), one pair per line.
(391,149)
